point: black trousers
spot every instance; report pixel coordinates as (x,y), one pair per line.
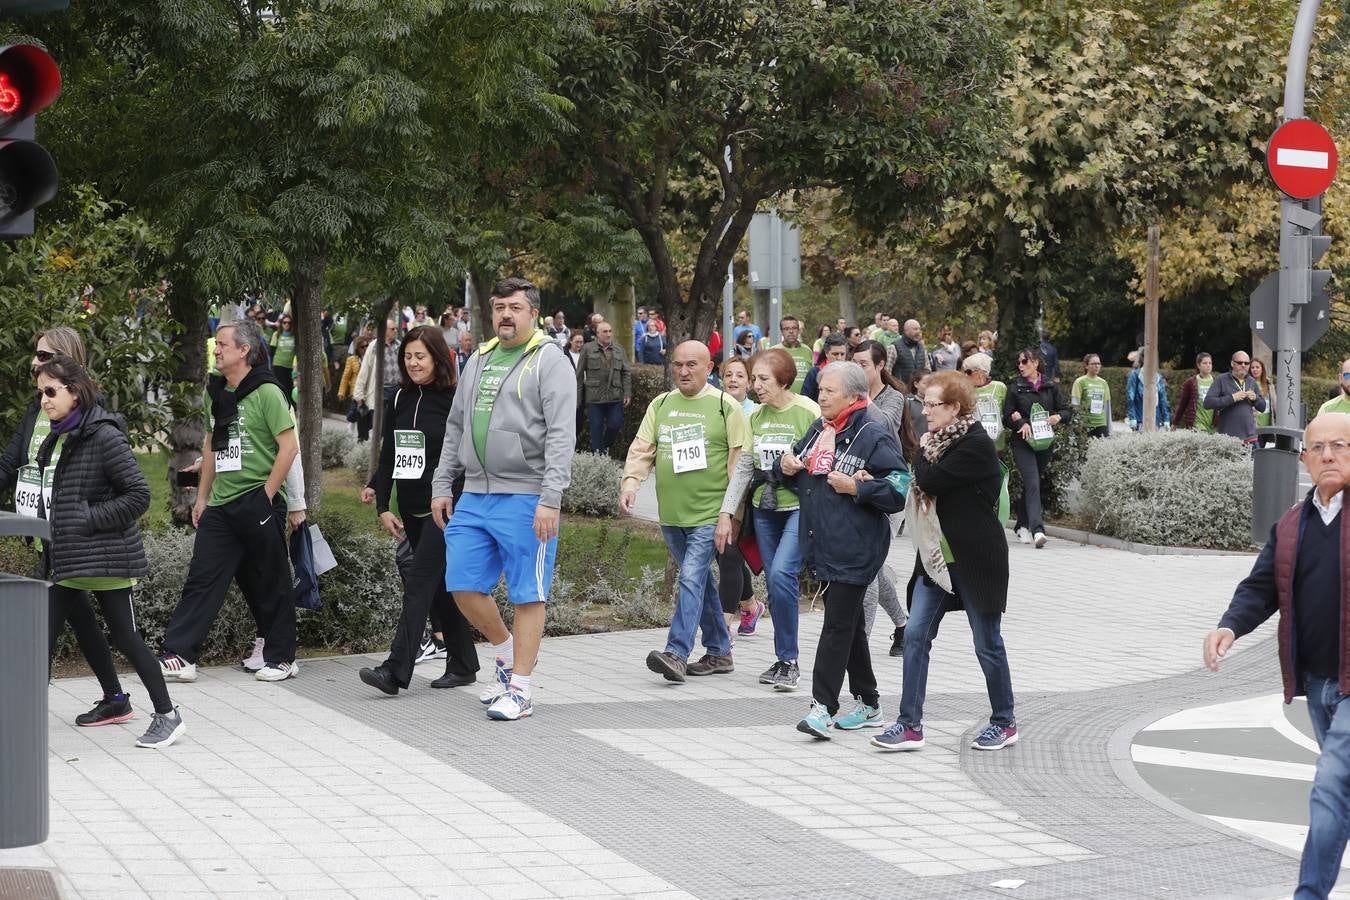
(243,540)
(843,648)
(1035,468)
(734,578)
(72,603)
(423,592)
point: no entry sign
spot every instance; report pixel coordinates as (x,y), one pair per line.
(1301,157)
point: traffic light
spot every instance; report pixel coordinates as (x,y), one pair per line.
(29,82)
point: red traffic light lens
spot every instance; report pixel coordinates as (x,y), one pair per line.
(30,81)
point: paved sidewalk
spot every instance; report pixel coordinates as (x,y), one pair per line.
(622,784)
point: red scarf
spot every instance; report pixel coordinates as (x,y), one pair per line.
(820,461)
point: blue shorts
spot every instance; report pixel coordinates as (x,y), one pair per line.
(493,534)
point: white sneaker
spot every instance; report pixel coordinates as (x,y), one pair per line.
(255,661)
(1040,539)
(1024,536)
(278,671)
(500,684)
(511,706)
(175,668)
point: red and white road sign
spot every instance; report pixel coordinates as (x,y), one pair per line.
(1301,157)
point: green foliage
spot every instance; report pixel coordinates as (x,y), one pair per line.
(1070,452)
(89,272)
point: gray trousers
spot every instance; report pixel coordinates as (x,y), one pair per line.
(882,592)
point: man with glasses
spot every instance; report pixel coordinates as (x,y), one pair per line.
(1236,398)
(1341,402)
(1300,573)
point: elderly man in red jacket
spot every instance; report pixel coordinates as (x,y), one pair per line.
(1301,573)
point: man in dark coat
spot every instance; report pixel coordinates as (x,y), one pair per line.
(1237,398)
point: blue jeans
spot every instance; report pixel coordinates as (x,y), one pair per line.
(697,605)
(1329,803)
(606,419)
(781,552)
(925,615)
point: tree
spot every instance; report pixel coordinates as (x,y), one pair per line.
(890,102)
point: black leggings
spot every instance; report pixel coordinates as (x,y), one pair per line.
(72,603)
(734,579)
(424,592)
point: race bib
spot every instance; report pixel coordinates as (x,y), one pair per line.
(1096,403)
(48,482)
(769,447)
(688,449)
(410,454)
(27,492)
(1202,393)
(990,417)
(1040,427)
(231,458)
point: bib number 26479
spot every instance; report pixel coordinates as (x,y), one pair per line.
(410,454)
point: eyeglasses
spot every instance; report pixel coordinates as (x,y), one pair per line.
(930,404)
(45,355)
(1336,447)
(1242,362)
(51,392)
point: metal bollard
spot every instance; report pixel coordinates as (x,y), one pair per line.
(24,817)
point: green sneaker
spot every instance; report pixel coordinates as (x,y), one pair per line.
(861,716)
(816,723)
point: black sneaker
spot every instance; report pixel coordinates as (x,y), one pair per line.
(770,675)
(788,676)
(898,642)
(379,677)
(108,711)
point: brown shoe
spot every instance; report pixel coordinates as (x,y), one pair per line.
(712,665)
(667,665)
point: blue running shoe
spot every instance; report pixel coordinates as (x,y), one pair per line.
(995,737)
(861,716)
(500,684)
(899,737)
(816,723)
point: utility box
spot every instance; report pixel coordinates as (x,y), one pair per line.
(1274,478)
(24,817)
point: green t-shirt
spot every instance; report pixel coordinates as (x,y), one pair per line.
(773,432)
(338,333)
(1091,394)
(989,410)
(495,369)
(283,350)
(803,357)
(886,338)
(246,463)
(1204,418)
(1339,404)
(42,426)
(693,435)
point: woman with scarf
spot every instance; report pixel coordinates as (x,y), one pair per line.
(92,493)
(957,470)
(1031,410)
(735,581)
(845,535)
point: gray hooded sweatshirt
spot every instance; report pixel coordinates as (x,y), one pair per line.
(531,431)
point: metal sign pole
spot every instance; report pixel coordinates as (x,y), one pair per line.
(728,289)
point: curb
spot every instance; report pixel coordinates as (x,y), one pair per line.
(1101,540)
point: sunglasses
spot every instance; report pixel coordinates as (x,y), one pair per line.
(933,404)
(45,355)
(51,392)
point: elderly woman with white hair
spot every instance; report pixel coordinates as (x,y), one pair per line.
(844,535)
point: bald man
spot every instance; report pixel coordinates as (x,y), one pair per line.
(910,354)
(692,436)
(1301,574)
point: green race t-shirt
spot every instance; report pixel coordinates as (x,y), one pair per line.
(1092,396)
(693,437)
(773,432)
(283,350)
(989,410)
(495,369)
(42,426)
(246,462)
(338,333)
(802,356)
(1204,418)
(1339,404)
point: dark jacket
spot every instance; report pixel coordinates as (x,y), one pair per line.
(1184,415)
(16,454)
(98,495)
(846,538)
(965,482)
(1051,357)
(603,374)
(652,349)
(423,409)
(1235,418)
(1270,587)
(910,357)
(811,383)
(1021,397)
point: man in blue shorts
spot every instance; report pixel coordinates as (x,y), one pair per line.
(511,432)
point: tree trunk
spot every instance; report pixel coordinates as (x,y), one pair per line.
(848,300)
(1016,331)
(307,304)
(482,283)
(188,430)
(383,311)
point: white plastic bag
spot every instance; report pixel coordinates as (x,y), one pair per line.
(926,533)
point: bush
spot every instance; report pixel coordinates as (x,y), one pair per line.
(594,488)
(335,442)
(1066,465)
(358,460)
(1179,488)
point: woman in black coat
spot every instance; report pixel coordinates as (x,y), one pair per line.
(92,493)
(1031,409)
(414,429)
(957,470)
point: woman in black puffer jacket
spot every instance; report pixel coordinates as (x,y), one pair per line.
(92,494)
(414,429)
(1032,408)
